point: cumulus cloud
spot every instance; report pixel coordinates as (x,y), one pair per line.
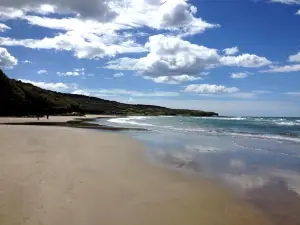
(239,75)
(100,10)
(26,62)
(79,69)
(298,12)
(74,72)
(7,13)
(4,27)
(81,92)
(175,58)
(115,92)
(231,51)
(295,93)
(84,45)
(172,15)
(91,35)
(42,71)
(283,69)
(245,60)
(288,2)
(69,73)
(169,56)
(295,58)
(49,86)
(117,75)
(74,89)
(210,88)
(6,59)
(93,32)
(173,79)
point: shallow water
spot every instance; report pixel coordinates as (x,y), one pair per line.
(257,157)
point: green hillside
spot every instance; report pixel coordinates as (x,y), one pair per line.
(23,99)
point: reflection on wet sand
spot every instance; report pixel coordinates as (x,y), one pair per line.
(280,203)
(275,192)
(267,179)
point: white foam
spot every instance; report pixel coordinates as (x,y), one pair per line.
(287,123)
(223,118)
(266,136)
(130,121)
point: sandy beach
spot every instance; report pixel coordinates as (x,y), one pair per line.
(59,176)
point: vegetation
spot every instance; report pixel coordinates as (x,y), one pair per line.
(23,99)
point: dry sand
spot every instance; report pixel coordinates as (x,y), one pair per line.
(61,176)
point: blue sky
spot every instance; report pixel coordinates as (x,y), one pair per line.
(234,57)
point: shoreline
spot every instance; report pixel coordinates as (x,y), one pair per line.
(65,121)
(90,178)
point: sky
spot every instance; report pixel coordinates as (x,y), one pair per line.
(234,57)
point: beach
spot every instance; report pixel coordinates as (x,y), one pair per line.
(58,175)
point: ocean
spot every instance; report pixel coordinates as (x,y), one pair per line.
(245,153)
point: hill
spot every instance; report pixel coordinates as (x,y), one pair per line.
(23,99)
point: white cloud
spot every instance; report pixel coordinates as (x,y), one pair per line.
(204,73)
(4,27)
(239,75)
(81,92)
(245,60)
(121,92)
(100,10)
(288,2)
(7,13)
(173,79)
(84,45)
(94,34)
(210,88)
(79,69)
(6,59)
(231,51)
(69,73)
(74,72)
(298,12)
(27,62)
(123,64)
(295,58)
(43,71)
(120,74)
(293,93)
(49,86)
(283,69)
(171,56)
(42,9)
(174,15)
(74,89)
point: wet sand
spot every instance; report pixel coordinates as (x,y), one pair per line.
(56,119)
(58,176)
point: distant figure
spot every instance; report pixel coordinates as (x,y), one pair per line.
(38,116)
(47,117)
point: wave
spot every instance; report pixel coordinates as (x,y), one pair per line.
(130,121)
(267,137)
(287,123)
(222,118)
(200,130)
